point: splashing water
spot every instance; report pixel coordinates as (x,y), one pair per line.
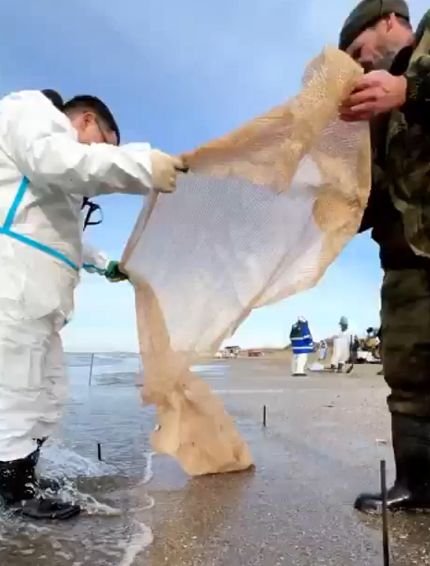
(138,542)
(149,473)
(57,457)
(111,529)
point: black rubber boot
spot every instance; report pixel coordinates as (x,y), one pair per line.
(44,483)
(411,490)
(19,491)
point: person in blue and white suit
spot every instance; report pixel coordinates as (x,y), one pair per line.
(302,345)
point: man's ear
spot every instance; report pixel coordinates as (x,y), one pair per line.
(87,118)
(390,22)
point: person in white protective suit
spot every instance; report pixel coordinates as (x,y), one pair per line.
(49,161)
(341,346)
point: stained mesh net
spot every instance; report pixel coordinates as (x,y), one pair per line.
(261,215)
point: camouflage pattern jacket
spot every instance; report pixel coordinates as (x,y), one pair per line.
(404,155)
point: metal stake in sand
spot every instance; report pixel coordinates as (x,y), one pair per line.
(91,369)
(99,451)
(264,416)
(385,538)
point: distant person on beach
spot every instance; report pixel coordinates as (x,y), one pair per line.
(302,345)
(355,346)
(341,346)
(322,351)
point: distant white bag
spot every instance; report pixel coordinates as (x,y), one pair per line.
(317,367)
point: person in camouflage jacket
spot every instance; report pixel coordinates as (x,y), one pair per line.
(394,95)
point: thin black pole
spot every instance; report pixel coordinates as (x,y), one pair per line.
(264,416)
(385,538)
(99,451)
(91,369)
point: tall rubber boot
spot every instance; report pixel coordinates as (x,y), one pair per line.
(411,490)
(19,491)
(44,483)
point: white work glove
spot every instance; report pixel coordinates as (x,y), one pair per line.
(165,169)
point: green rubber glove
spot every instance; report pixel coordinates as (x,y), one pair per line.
(114,274)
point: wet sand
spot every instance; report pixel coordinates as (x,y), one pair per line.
(321,447)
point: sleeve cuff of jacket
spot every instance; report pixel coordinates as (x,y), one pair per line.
(97,264)
(418,89)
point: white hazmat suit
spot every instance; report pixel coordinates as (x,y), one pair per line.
(341,348)
(44,174)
